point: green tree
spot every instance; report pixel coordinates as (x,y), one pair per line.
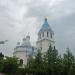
(35,64)
(51,63)
(10,65)
(69,63)
(52,56)
(1,62)
(1,55)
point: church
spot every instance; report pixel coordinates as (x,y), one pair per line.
(45,39)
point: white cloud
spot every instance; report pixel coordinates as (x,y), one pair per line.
(18,17)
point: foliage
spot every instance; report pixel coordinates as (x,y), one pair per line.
(1,62)
(9,65)
(51,63)
(69,63)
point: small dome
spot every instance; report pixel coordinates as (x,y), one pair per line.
(46,27)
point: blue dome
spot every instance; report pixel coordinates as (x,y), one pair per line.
(46,27)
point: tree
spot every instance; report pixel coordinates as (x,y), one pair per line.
(10,65)
(51,63)
(1,55)
(52,56)
(1,62)
(69,63)
(35,64)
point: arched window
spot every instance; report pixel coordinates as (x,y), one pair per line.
(47,34)
(43,34)
(21,61)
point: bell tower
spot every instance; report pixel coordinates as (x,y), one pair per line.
(45,37)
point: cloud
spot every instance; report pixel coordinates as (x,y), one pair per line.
(18,17)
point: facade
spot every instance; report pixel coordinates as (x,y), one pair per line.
(45,39)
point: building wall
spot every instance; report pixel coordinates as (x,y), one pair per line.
(22,55)
(44,44)
(45,41)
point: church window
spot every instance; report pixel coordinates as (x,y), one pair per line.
(21,61)
(43,34)
(51,35)
(47,34)
(39,35)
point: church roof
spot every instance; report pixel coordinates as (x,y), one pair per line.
(46,27)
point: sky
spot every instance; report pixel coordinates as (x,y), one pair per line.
(20,17)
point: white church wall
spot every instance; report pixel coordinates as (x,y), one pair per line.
(23,56)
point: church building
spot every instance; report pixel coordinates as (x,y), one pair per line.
(25,50)
(45,39)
